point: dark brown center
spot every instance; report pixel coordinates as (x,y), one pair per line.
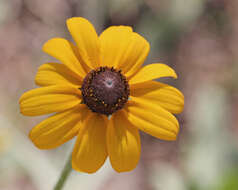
(105,90)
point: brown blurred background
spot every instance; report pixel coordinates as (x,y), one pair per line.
(199,38)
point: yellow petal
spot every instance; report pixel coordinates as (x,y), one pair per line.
(59,128)
(90,150)
(152,71)
(49,99)
(123,49)
(86,39)
(64,51)
(114,42)
(160,94)
(135,55)
(123,143)
(152,119)
(56,74)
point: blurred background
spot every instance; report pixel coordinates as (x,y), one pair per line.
(198,38)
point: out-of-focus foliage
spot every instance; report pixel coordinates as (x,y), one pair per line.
(229,180)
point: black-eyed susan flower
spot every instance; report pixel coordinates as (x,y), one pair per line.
(102,95)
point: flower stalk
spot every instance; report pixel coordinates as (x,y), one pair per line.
(64,174)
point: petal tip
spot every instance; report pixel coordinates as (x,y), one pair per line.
(172,71)
(20,99)
(46,44)
(120,170)
(175,76)
(76,168)
(37,145)
(50,42)
(76,19)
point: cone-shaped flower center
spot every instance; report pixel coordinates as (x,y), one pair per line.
(105,90)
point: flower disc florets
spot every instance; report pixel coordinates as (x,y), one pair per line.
(105,90)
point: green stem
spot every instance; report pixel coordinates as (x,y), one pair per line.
(64,174)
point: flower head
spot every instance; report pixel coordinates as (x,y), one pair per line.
(97,78)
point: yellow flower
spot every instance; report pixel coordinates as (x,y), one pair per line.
(103,96)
